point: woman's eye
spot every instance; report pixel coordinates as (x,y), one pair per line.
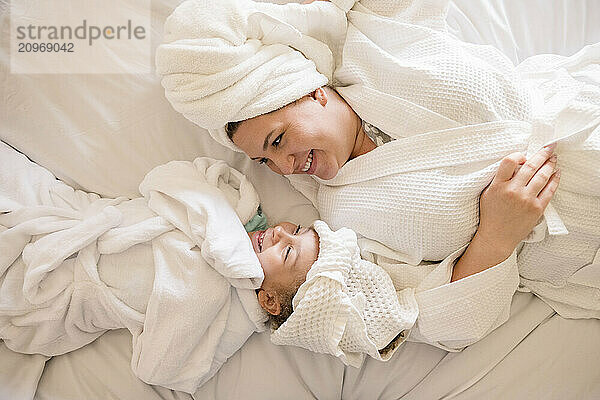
(297,230)
(263,161)
(277,140)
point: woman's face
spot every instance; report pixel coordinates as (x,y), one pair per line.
(316,135)
(286,254)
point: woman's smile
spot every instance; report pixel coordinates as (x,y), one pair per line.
(310,165)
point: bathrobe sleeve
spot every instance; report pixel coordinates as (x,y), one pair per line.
(453,315)
(430,13)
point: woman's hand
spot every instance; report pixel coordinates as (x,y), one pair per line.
(513,203)
(509,209)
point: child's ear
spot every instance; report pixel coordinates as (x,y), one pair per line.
(269,301)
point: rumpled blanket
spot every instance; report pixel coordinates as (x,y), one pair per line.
(174,267)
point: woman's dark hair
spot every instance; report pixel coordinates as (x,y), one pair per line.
(231,128)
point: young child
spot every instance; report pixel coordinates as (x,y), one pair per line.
(322,296)
(176,268)
(286,252)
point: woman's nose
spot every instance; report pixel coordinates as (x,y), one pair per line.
(285,163)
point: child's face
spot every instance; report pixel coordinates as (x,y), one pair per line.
(285,254)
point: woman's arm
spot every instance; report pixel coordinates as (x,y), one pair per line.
(452,316)
(510,207)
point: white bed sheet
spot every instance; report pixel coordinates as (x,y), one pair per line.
(524,28)
(104,132)
(527,358)
(535,355)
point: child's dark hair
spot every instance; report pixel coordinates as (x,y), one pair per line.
(275,321)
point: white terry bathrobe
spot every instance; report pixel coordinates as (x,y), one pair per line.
(455,109)
(174,267)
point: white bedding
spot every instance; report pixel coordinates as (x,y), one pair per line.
(105,132)
(520,360)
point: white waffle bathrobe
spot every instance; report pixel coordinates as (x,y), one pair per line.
(455,109)
(174,267)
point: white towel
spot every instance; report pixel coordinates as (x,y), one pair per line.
(231,60)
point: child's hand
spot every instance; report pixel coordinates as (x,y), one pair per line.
(513,203)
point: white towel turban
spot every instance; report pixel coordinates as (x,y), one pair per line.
(231,60)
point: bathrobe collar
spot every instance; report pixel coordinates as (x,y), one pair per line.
(443,148)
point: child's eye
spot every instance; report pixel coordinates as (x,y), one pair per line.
(263,160)
(290,247)
(277,140)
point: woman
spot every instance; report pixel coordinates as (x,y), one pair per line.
(412,133)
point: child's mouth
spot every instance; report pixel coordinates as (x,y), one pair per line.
(260,235)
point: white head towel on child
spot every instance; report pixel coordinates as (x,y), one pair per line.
(347,307)
(230,60)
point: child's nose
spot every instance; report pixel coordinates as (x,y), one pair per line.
(280,234)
